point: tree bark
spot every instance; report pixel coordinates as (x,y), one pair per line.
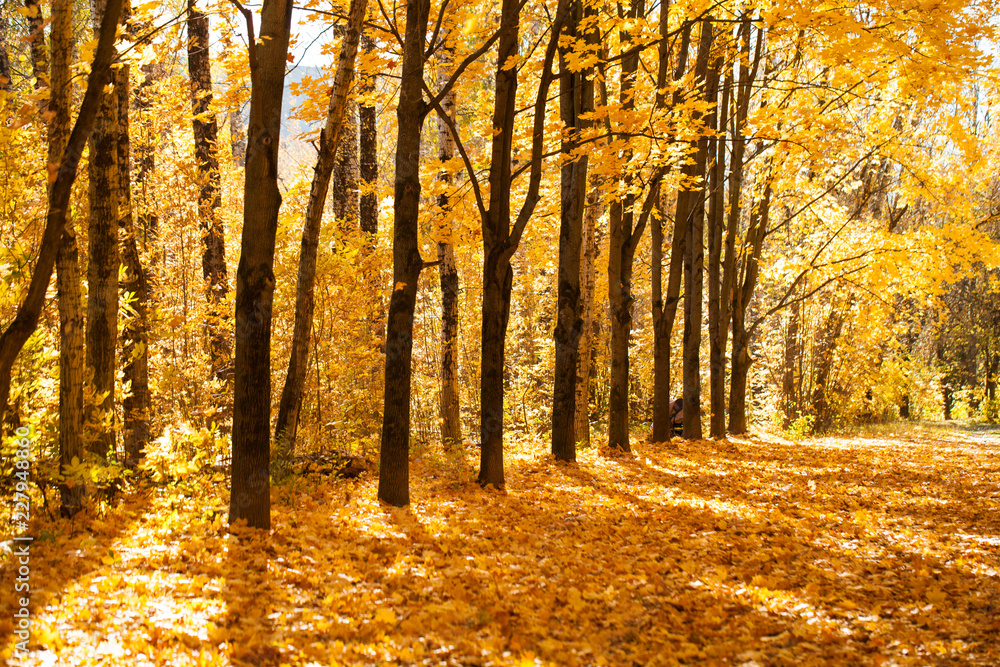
(717,305)
(26,320)
(206,141)
(394,462)
(102,267)
(694,255)
(368,153)
(5,58)
(345,173)
(135,346)
(69,293)
(587,290)
(286,427)
(576,97)
(451,418)
(827,349)
(250,498)
(36,42)
(500,239)
(789,395)
(620,252)
(665,309)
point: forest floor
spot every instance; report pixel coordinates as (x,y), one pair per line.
(877,549)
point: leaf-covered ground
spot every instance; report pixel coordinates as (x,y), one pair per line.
(866,551)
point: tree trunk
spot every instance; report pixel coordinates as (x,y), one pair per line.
(206,141)
(286,427)
(368,153)
(394,462)
(451,419)
(827,349)
(102,268)
(250,498)
(135,346)
(665,309)
(790,407)
(717,305)
(500,239)
(5,58)
(237,137)
(26,320)
(694,255)
(576,97)
(145,151)
(587,290)
(68,288)
(620,251)
(36,42)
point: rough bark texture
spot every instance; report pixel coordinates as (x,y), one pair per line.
(345,173)
(621,249)
(500,239)
(394,462)
(694,255)
(103,261)
(5,58)
(143,130)
(206,141)
(716,232)
(36,42)
(665,308)
(287,423)
(587,289)
(135,343)
(26,320)
(250,498)
(826,351)
(368,153)
(69,291)
(451,418)
(576,97)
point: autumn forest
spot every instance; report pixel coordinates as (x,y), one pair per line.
(500,332)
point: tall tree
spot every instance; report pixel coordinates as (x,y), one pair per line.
(68,287)
(26,320)
(622,243)
(103,260)
(665,308)
(136,405)
(451,417)
(576,99)
(4,57)
(250,498)
(500,238)
(206,140)
(286,426)
(36,42)
(694,208)
(394,464)
(591,248)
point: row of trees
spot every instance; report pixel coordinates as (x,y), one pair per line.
(813,173)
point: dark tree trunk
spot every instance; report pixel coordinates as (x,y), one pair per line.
(36,42)
(576,97)
(451,418)
(620,252)
(368,153)
(250,498)
(135,344)
(286,427)
(394,462)
(587,289)
(827,349)
(694,255)
(145,151)
(206,139)
(665,307)
(345,173)
(500,240)
(69,291)
(718,305)
(103,255)
(26,320)
(789,389)
(5,57)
